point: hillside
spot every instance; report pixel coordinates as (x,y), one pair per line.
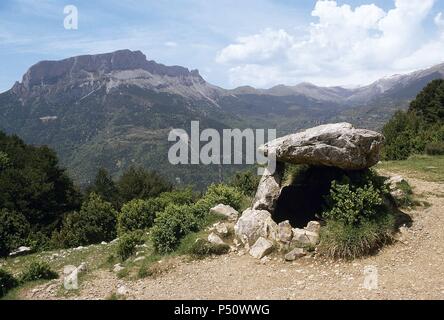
(410,268)
(115,110)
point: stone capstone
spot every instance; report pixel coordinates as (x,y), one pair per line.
(334,145)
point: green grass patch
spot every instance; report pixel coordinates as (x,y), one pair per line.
(430,168)
(345,241)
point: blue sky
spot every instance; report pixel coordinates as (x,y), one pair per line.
(234,42)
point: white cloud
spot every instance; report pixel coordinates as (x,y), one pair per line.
(171,44)
(258,47)
(439,20)
(347,46)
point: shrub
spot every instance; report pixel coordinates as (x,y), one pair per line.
(7,282)
(246,182)
(352,205)
(171,226)
(127,243)
(435,148)
(94,223)
(215,195)
(202,248)
(136,215)
(339,240)
(138,183)
(179,197)
(357,220)
(38,270)
(14,229)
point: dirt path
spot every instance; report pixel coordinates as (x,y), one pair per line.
(412,268)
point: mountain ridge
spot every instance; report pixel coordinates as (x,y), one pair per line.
(116,109)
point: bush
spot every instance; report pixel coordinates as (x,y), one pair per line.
(127,243)
(246,182)
(202,248)
(136,215)
(435,149)
(94,223)
(7,282)
(14,230)
(215,195)
(38,270)
(171,226)
(339,240)
(357,220)
(352,205)
(137,183)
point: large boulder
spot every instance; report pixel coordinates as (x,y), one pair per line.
(254,224)
(335,145)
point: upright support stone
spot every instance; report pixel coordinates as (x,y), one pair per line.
(269,189)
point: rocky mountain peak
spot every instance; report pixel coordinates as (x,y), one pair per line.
(51,72)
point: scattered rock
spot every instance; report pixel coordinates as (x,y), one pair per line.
(79,248)
(20,251)
(301,236)
(336,145)
(122,291)
(103,243)
(295,254)
(265,259)
(313,226)
(139,258)
(226,211)
(221,229)
(82,267)
(118,268)
(261,248)
(284,233)
(215,239)
(254,224)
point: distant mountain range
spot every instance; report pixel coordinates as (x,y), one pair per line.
(116,109)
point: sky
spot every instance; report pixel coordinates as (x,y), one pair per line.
(261,43)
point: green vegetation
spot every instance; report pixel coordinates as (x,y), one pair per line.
(171,226)
(420,129)
(127,243)
(349,241)
(35,193)
(137,214)
(358,222)
(351,205)
(137,183)
(430,168)
(7,282)
(14,228)
(202,248)
(246,182)
(94,223)
(38,270)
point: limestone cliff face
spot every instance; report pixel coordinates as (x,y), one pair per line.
(83,74)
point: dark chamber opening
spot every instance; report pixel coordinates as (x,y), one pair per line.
(304,199)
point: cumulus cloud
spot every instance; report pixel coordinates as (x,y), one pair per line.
(345,45)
